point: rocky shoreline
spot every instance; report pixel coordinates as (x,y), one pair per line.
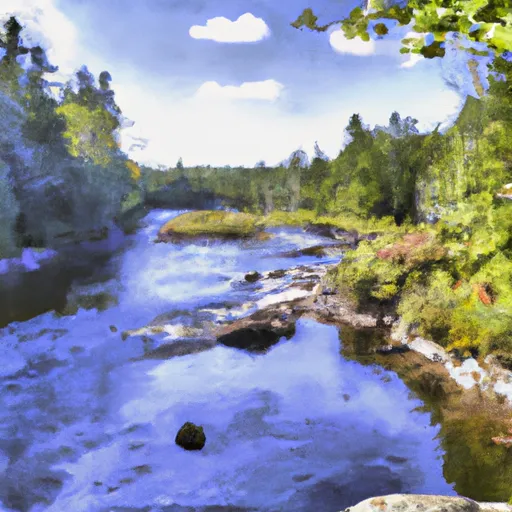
(453,390)
(288,295)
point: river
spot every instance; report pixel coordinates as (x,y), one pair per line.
(87,424)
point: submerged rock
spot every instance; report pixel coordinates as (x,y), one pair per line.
(253,276)
(277,274)
(191,437)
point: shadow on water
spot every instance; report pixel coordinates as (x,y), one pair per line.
(25,295)
(478,468)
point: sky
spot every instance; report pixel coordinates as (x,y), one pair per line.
(230,82)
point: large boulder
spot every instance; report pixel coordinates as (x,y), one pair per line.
(191,437)
(261,330)
(416,503)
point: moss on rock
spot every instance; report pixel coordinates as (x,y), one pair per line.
(210,223)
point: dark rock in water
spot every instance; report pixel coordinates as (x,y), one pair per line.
(113,328)
(259,331)
(392,349)
(254,340)
(191,437)
(178,348)
(328,291)
(252,277)
(349,237)
(277,274)
(394,459)
(324,230)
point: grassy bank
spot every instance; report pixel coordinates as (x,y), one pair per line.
(343,222)
(450,282)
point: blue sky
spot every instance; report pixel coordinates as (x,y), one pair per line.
(236,90)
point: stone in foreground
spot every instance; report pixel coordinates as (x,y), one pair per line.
(425,503)
(191,437)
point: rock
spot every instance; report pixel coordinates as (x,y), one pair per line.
(503,440)
(259,331)
(191,437)
(113,328)
(252,277)
(416,503)
(393,349)
(319,251)
(337,309)
(277,274)
(177,348)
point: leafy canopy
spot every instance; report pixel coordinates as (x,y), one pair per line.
(481,21)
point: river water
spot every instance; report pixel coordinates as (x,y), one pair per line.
(86,424)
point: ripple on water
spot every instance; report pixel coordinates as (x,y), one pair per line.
(297,428)
(269,420)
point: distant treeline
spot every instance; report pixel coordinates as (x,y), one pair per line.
(385,171)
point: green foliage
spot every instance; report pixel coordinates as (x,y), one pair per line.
(63,174)
(89,133)
(484,21)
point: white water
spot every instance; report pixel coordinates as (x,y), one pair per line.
(77,415)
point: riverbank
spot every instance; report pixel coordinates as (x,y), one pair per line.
(467,399)
(248,339)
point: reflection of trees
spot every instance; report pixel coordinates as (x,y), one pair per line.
(479,469)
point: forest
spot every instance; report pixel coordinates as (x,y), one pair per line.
(439,200)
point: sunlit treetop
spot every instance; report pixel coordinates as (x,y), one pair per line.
(481,21)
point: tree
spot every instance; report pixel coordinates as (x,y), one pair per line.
(481,23)
(92,118)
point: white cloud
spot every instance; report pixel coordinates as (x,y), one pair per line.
(354,46)
(268,90)
(246,29)
(205,131)
(414,58)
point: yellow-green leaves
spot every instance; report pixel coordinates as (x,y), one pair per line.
(89,134)
(134,170)
(487,21)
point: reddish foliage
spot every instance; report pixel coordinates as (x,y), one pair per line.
(457,285)
(483,292)
(410,248)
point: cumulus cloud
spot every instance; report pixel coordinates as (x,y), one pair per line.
(354,46)
(413,59)
(268,90)
(246,29)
